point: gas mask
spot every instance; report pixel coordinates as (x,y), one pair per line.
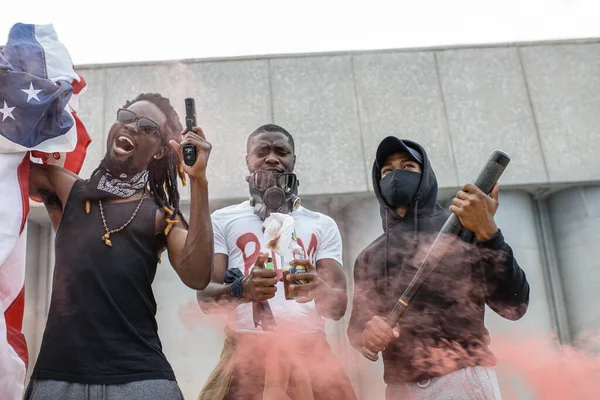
(273,192)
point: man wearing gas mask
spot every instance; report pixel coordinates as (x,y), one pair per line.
(439,349)
(275,347)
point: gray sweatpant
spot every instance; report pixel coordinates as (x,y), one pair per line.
(472,383)
(156,389)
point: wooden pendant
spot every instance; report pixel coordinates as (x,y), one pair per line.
(107,240)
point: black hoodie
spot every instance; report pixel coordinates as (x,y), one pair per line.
(442,329)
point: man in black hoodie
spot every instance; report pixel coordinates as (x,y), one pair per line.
(439,349)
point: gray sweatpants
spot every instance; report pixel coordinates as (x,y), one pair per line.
(156,389)
(472,383)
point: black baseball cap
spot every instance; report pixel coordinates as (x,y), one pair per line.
(391,145)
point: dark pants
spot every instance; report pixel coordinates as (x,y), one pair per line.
(156,389)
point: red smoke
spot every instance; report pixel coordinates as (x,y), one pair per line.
(281,361)
(190,315)
(546,369)
(529,366)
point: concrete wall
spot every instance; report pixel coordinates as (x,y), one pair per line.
(460,103)
(576,227)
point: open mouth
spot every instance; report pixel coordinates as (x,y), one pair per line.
(123,145)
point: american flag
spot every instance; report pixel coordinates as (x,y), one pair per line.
(39,89)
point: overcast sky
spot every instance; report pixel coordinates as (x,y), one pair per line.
(133,30)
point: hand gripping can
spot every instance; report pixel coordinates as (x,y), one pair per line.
(297,254)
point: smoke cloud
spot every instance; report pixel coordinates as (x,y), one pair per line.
(538,367)
(529,366)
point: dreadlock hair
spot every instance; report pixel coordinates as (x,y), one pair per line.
(272,128)
(163,173)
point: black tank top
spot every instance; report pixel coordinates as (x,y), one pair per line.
(101,326)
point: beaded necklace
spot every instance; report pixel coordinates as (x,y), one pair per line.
(106,236)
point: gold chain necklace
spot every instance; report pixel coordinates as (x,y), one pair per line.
(106,236)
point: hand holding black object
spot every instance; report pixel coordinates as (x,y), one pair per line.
(378,334)
(476,210)
(196,139)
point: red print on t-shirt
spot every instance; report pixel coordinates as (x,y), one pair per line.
(312,248)
(250,258)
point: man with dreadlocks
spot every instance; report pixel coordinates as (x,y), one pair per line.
(101,338)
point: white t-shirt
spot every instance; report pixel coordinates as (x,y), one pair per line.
(239,234)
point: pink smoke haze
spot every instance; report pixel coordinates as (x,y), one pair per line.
(276,359)
(191,315)
(548,370)
(529,366)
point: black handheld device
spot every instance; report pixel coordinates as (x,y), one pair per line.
(188,150)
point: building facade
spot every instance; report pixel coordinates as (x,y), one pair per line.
(538,102)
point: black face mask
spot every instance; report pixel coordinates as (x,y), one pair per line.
(399,187)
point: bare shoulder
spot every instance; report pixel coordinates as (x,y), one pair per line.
(49,180)
(52,170)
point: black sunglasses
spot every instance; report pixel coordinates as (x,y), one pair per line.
(144,125)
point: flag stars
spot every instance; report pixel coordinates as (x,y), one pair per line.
(31,92)
(6,112)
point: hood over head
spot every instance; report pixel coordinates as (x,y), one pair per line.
(424,202)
